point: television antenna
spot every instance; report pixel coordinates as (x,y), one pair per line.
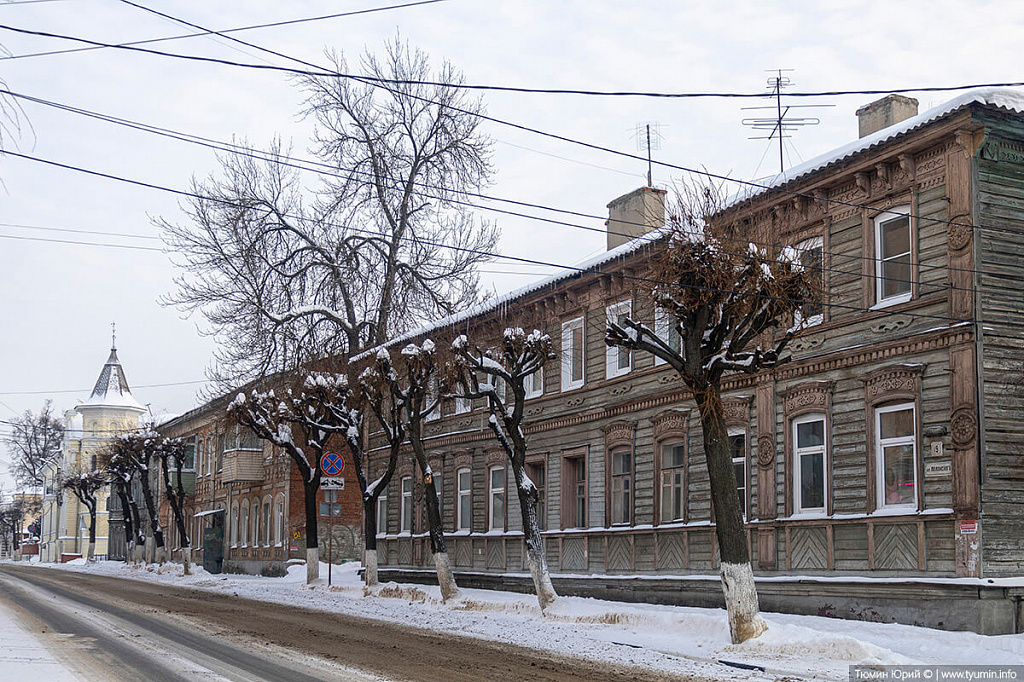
(779,125)
(648,136)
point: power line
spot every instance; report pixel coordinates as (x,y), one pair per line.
(320,168)
(84,390)
(381,83)
(239,29)
(519,259)
(78,231)
(133,247)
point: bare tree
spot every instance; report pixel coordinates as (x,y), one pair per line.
(720,301)
(85,484)
(34,444)
(171,454)
(286,273)
(120,472)
(379,384)
(318,410)
(138,451)
(515,361)
(415,384)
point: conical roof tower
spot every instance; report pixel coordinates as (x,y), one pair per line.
(111,389)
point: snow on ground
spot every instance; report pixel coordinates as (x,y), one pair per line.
(671,638)
(24,657)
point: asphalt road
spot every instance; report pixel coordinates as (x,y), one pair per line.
(119,629)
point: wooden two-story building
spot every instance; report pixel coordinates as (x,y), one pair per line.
(881,470)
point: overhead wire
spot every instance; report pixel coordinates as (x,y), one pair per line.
(572,268)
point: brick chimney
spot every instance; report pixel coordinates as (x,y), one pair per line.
(885,112)
(635,214)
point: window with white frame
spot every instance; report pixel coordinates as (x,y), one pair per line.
(464,503)
(405,511)
(496,476)
(254,537)
(896,455)
(266,521)
(893,249)
(666,326)
(573,355)
(618,360)
(738,450)
(244,524)
(436,477)
(200,462)
(673,470)
(234,524)
(537,471)
(622,486)
(811,255)
(462,403)
(432,400)
(534,384)
(810,473)
(382,513)
(279,521)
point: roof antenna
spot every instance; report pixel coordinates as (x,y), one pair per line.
(779,125)
(648,136)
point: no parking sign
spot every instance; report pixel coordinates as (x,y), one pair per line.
(332,464)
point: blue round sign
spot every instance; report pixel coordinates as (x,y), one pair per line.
(332,464)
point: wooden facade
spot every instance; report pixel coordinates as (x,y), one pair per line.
(915,384)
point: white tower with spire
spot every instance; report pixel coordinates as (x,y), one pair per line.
(110,409)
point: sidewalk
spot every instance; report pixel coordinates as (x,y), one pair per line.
(23,656)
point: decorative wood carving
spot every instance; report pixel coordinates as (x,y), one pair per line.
(670,422)
(897,381)
(619,433)
(806,397)
(575,402)
(462,459)
(959,232)
(963,427)
(765,451)
(890,325)
(863,180)
(494,456)
(620,389)
(908,165)
(737,411)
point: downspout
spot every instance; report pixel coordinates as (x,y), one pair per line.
(979,355)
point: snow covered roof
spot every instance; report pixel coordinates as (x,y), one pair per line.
(111,389)
(1011,100)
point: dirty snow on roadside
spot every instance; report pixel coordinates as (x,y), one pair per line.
(658,638)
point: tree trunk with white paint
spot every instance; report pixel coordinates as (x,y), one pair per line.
(445,577)
(312,564)
(186,560)
(370,568)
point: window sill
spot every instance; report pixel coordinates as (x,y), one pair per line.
(889,302)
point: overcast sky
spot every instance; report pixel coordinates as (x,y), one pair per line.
(58,300)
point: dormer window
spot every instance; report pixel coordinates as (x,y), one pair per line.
(893,264)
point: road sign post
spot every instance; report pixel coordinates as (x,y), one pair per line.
(331,466)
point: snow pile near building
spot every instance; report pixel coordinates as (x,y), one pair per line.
(783,641)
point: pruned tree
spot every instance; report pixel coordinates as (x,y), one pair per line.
(171,454)
(415,384)
(34,445)
(120,471)
(317,410)
(285,273)
(724,305)
(85,484)
(481,373)
(138,450)
(379,388)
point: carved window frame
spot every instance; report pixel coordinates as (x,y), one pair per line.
(671,427)
(619,435)
(885,386)
(737,422)
(532,462)
(613,354)
(806,398)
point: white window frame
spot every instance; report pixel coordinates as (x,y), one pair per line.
(569,349)
(280,509)
(462,403)
(798,452)
(674,492)
(432,393)
(622,490)
(234,524)
(663,321)
(382,513)
(534,384)
(464,499)
(882,443)
(243,523)
(254,519)
(895,213)
(746,473)
(495,523)
(613,354)
(405,509)
(798,317)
